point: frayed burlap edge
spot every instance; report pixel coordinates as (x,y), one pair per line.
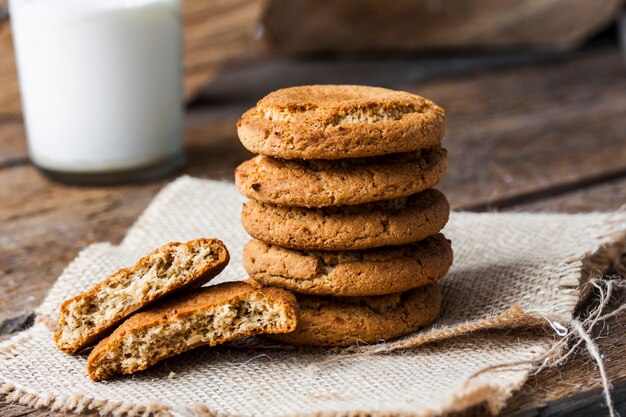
(75,403)
(574,281)
(574,285)
(472,394)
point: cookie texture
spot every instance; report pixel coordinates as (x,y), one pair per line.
(327,321)
(321,183)
(340,121)
(394,222)
(204,316)
(87,317)
(349,273)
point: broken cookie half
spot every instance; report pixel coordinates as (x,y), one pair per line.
(204,316)
(88,317)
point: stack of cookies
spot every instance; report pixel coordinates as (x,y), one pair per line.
(342,209)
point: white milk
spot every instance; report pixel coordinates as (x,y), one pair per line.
(100,82)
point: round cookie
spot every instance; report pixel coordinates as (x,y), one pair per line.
(340,121)
(393,222)
(328,321)
(349,273)
(321,183)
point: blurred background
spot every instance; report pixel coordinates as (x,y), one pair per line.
(241,49)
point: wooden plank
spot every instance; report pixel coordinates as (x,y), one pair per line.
(309,26)
(502,122)
(574,389)
(245,83)
(520,131)
(584,404)
(43,224)
(503,133)
(527,131)
(12,143)
(510,132)
(17,410)
(578,377)
(602,197)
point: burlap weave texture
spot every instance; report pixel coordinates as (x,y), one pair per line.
(510,270)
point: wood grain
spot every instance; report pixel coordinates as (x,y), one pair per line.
(602,197)
(583,404)
(43,224)
(579,375)
(304,26)
(523,130)
(518,132)
(504,129)
(527,132)
(12,144)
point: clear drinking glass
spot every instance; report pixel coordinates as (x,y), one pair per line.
(101,87)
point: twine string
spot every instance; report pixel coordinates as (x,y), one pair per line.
(580,330)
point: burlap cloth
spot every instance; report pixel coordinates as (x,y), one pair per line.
(510,271)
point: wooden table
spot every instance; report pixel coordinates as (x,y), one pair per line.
(550,136)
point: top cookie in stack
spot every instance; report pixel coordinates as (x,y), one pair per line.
(339,122)
(343,211)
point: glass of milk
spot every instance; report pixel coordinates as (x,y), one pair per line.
(101,87)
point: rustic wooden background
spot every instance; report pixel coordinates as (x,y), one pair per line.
(217,31)
(548,135)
